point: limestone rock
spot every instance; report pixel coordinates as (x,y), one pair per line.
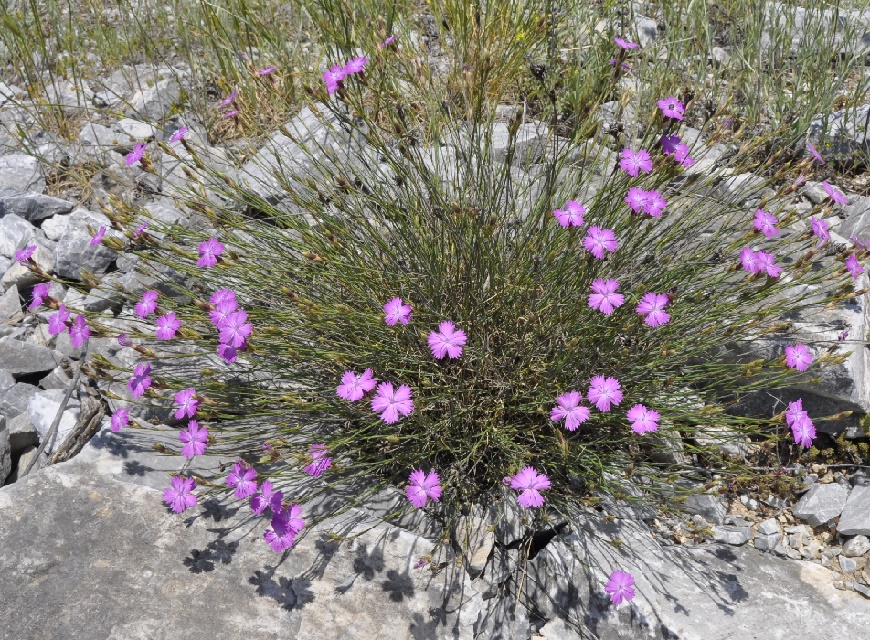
(32,206)
(22,433)
(152,104)
(855,519)
(74,251)
(730,534)
(476,538)
(23,358)
(21,173)
(856,547)
(821,504)
(10,305)
(5,451)
(43,408)
(15,399)
(711,507)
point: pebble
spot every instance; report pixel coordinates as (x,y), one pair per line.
(857,546)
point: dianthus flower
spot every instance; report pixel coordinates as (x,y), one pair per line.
(749,260)
(354,386)
(625,44)
(167,325)
(571,215)
(447,341)
(140,230)
(57,320)
(98,236)
(568,408)
(79,332)
(267,71)
(230,114)
(397,311)
(835,194)
(620,587)
(187,403)
(38,295)
(854,266)
(633,162)
(672,108)
(147,305)
(267,497)
(195,439)
(599,240)
(391,403)
(804,431)
(681,155)
(228,352)
(765,262)
(243,478)
(652,306)
(530,484)
(354,66)
(821,230)
(795,412)
(604,392)
(654,204)
(320,460)
(815,154)
(604,297)
(120,419)
(798,357)
(209,252)
(766,223)
(124,340)
(135,155)
(179,496)
(222,311)
(387,42)
(422,488)
(23,255)
(285,527)
(636,198)
(236,329)
(226,101)
(178,135)
(643,419)
(333,77)
(141,381)
(669,144)
(222,295)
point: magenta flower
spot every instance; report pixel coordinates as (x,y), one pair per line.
(766,223)
(620,586)
(242,477)
(396,311)
(38,295)
(226,101)
(599,240)
(654,204)
(391,403)
(320,460)
(604,392)
(765,263)
(854,266)
(815,154)
(195,439)
(354,66)
(57,321)
(652,306)
(672,108)
(749,259)
(222,311)
(669,144)
(228,352)
(267,497)
(209,252)
(568,408)
(386,43)
(804,431)
(187,403)
(643,419)
(835,194)
(178,135)
(230,114)
(798,357)
(135,155)
(448,340)
(795,412)
(98,237)
(571,215)
(222,295)
(422,488)
(141,381)
(147,305)
(681,155)
(604,297)
(236,329)
(23,255)
(120,419)
(179,496)
(124,340)
(140,230)
(285,526)
(625,44)
(530,484)
(636,199)
(353,386)
(622,64)
(821,230)
(333,77)
(633,162)
(267,71)
(167,325)
(79,332)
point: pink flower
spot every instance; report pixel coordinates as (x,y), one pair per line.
(195,439)
(120,419)
(422,488)
(23,255)
(672,108)
(633,162)
(599,240)
(140,230)
(286,525)
(396,311)
(765,263)
(98,237)
(821,230)
(178,135)
(766,223)
(669,144)
(167,325)
(571,215)
(795,412)
(391,403)
(223,296)
(636,199)
(147,305)
(124,340)
(187,403)
(267,71)
(141,381)
(681,155)
(209,252)
(568,408)
(268,497)
(749,259)
(604,297)
(57,321)
(354,66)
(654,204)
(222,311)
(79,332)
(604,392)
(652,306)
(178,496)
(625,44)
(236,329)
(228,352)
(798,357)
(230,114)
(815,154)
(804,431)
(242,477)
(643,419)
(835,194)
(621,585)
(353,386)
(529,483)
(447,341)
(38,295)
(228,100)
(320,460)
(333,77)
(854,266)
(135,155)
(387,42)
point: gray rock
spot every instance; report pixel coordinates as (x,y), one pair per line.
(719,56)
(22,358)
(32,206)
(767,542)
(28,455)
(476,538)
(135,130)
(558,629)
(6,381)
(841,135)
(72,95)
(58,378)
(711,507)
(821,504)
(15,234)
(99,136)
(509,518)
(22,433)
(847,565)
(5,451)
(647,30)
(43,408)
(10,305)
(855,519)
(15,399)
(152,104)
(54,228)
(529,143)
(21,173)
(74,251)
(857,546)
(730,534)
(768,527)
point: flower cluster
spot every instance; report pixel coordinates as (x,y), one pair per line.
(78,329)
(231,321)
(802,428)
(335,75)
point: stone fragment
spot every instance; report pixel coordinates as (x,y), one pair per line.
(847,565)
(136,131)
(5,451)
(857,222)
(54,227)
(768,527)
(58,378)
(730,534)
(821,504)
(6,381)
(767,542)
(857,546)
(711,507)
(28,455)
(476,538)
(841,135)
(152,104)
(32,206)
(10,305)
(22,433)
(23,358)
(16,399)
(74,251)
(855,519)
(558,629)
(21,173)
(43,408)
